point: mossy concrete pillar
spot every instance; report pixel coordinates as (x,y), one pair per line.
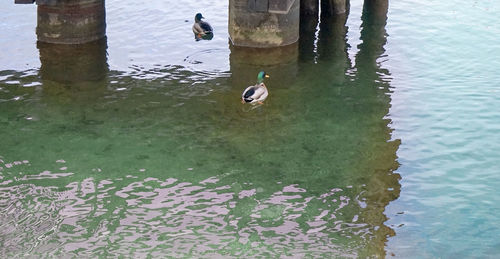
(334,7)
(264,23)
(70,21)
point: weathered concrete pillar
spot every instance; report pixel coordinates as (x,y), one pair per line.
(334,7)
(264,23)
(309,7)
(375,11)
(71,21)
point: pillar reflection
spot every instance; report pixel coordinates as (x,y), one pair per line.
(73,72)
(332,46)
(321,139)
(71,63)
(308,29)
(383,185)
(280,63)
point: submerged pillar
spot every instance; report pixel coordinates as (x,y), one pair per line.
(264,23)
(70,21)
(334,7)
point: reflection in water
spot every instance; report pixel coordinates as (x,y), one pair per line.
(172,165)
(383,187)
(207,36)
(73,72)
(332,45)
(280,63)
(72,63)
(308,36)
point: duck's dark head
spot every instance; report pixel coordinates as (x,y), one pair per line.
(198,17)
(261,76)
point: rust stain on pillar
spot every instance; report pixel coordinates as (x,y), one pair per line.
(70,21)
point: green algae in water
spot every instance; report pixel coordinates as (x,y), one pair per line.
(173,165)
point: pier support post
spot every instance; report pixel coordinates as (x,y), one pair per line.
(309,7)
(70,21)
(264,23)
(334,7)
(375,11)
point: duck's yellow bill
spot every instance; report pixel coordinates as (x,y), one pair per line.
(267,76)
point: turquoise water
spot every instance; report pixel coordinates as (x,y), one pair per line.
(445,110)
(377,140)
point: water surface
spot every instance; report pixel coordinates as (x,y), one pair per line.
(378,138)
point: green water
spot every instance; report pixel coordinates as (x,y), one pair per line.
(378,139)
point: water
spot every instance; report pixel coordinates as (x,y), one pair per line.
(375,141)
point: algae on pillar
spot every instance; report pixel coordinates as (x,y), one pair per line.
(264,23)
(70,21)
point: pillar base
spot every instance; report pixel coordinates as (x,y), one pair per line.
(262,29)
(71,22)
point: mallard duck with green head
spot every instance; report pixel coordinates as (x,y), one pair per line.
(256,93)
(201,28)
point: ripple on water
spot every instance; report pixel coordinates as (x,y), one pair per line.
(175,218)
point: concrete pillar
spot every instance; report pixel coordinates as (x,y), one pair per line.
(334,7)
(309,7)
(375,11)
(70,21)
(264,23)
(73,63)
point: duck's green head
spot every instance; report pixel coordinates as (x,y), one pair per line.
(261,76)
(198,17)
